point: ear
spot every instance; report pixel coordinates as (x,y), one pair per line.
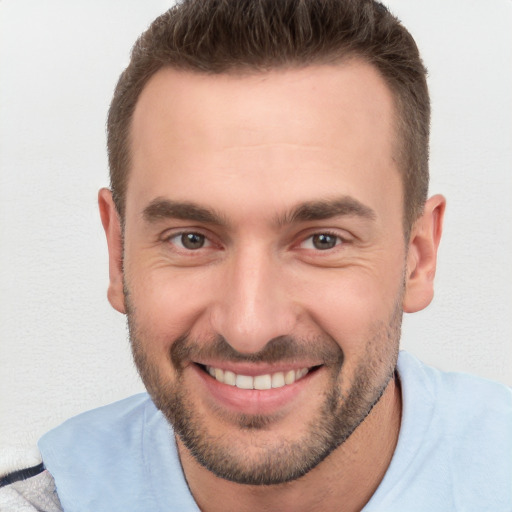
(112,227)
(422,255)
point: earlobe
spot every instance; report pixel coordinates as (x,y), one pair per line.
(113,231)
(422,255)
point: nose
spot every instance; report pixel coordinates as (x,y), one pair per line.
(252,305)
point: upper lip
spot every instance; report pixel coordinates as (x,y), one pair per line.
(254,369)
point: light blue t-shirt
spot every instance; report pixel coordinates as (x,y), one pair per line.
(454,452)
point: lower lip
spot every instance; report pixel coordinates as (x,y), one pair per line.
(252,401)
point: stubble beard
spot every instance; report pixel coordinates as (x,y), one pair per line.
(282,460)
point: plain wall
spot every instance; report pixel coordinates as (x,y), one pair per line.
(64,350)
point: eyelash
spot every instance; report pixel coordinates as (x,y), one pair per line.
(181,234)
(339,241)
(176,239)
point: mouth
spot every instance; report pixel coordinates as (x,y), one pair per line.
(260,382)
(254,391)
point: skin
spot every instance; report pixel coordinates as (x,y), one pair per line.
(255,151)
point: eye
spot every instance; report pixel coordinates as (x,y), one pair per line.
(321,241)
(189,240)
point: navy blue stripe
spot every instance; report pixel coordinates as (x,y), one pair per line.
(22,474)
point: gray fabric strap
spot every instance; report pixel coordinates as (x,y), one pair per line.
(34,494)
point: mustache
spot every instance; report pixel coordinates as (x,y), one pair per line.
(282,348)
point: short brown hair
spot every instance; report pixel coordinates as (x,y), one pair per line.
(221,36)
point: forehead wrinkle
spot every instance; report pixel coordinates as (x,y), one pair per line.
(326,209)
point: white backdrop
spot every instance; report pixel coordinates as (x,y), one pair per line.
(63,350)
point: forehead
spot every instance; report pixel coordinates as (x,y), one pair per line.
(303,129)
(303,96)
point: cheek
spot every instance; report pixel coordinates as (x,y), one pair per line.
(353,304)
(166,306)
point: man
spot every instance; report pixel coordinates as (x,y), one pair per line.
(267,225)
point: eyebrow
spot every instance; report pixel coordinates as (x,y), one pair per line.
(326,209)
(162,208)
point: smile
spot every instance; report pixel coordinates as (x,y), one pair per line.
(260,382)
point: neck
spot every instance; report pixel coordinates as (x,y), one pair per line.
(344,481)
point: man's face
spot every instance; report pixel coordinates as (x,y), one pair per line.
(264,249)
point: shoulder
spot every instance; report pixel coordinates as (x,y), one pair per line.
(29,489)
(110,418)
(117,426)
(455,445)
(122,410)
(456,395)
(118,457)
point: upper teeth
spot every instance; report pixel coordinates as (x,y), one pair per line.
(267,381)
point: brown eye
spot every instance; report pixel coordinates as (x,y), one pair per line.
(192,240)
(324,241)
